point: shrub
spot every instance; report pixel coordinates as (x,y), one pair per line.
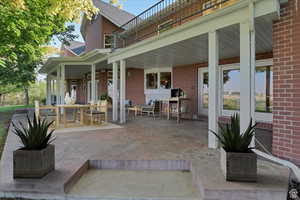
(37,136)
(231,138)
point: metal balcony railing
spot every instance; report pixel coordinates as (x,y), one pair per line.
(163,16)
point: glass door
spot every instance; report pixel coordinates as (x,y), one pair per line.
(203,91)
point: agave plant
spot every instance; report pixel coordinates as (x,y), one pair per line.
(231,138)
(36,136)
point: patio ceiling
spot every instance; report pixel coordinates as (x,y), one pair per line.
(80,63)
(195,50)
(78,71)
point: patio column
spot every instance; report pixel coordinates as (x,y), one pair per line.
(58,85)
(115,91)
(62,84)
(93,83)
(48,89)
(122,91)
(214,75)
(247,71)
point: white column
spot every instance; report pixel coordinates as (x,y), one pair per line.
(48,90)
(58,85)
(122,91)
(115,91)
(62,84)
(214,75)
(247,71)
(93,82)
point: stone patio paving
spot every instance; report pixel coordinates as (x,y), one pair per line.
(140,139)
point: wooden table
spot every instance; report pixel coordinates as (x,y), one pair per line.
(53,108)
(74,106)
(178,102)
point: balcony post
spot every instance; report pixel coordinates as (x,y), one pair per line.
(93,83)
(214,75)
(247,71)
(57,85)
(62,84)
(115,91)
(48,90)
(122,91)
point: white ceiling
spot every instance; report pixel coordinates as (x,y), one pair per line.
(195,50)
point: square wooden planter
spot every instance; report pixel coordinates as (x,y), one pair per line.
(33,164)
(239,166)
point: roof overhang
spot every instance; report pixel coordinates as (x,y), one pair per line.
(93,57)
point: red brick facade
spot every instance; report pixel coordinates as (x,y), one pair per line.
(135,86)
(286,77)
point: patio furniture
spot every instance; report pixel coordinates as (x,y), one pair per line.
(81,109)
(47,112)
(151,109)
(97,112)
(175,106)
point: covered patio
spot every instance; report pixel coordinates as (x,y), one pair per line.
(139,140)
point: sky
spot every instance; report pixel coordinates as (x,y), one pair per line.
(133,6)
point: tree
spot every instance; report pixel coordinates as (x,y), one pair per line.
(29,24)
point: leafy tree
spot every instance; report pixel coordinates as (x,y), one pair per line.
(29,24)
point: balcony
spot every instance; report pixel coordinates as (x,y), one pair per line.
(163,16)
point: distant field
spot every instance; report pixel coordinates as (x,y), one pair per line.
(232,102)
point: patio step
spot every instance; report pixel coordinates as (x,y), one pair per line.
(134,185)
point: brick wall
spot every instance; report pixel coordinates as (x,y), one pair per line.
(135,86)
(186,78)
(286,77)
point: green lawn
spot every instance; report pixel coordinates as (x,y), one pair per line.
(6,113)
(11,108)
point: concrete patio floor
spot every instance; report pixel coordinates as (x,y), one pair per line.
(140,139)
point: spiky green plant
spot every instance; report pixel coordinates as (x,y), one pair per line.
(231,138)
(36,136)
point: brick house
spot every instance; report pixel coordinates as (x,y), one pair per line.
(227,56)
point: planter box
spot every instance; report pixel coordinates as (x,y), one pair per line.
(33,164)
(239,166)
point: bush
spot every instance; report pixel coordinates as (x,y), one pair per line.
(36,136)
(231,138)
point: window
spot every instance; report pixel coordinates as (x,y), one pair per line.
(151,80)
(205,90)
(108,41)
(165,80)
(231,89)
(264,89)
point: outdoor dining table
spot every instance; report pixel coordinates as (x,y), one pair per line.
(81,107)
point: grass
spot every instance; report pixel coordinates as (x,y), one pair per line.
(6,113)
(11,108)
